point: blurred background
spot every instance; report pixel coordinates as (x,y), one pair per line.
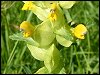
(17,59)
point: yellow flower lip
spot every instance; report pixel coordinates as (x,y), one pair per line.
(26,34)
(28,5)
(53,6)
(52,15)
(79,31)
(27,28)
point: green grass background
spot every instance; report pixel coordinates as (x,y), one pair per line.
(78,59)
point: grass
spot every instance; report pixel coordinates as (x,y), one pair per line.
(78,59)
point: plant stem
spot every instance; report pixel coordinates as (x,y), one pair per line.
(89,48)
(88,66)
(77,57)
(29,16)
(69,19)
(95,68)
(10,57)
(71,58)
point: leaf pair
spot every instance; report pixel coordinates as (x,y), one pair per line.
(52,59)
(64,37)
(19,37)
(44,34)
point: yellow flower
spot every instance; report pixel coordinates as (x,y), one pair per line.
(28,5)
(27,29)
(53,6)
(52,15)
(79,31)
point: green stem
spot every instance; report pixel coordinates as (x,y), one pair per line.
(84,53)
(69,19)
(20,69)
(77,58)
(6,33)
(10,57)
(29,16)
(95,68)
(71,57)
(88,66)
(89,48)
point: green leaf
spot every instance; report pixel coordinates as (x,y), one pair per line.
(60,21)
(64,37)
(27,70)
(62,71)
(37,53)
(53,60)
(44,4)
(64,42)
(66,4)
(65,33)
(42,14)
(19,37)
(58,68)
(30,41)
(42,70)
(44,34)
